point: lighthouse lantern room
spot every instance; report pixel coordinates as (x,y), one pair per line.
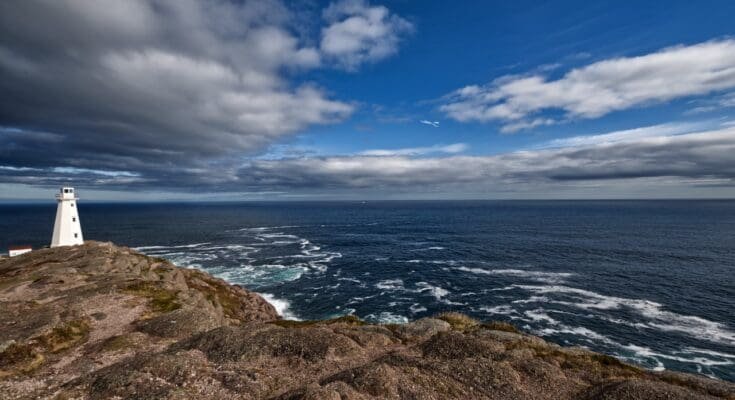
(67,229)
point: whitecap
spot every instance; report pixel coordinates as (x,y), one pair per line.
(282,306)
(436,291)
(655,316)
(500,310)
(386,317)
(184,246)
(390,284)
(543,276)
(416,308)
(350,280)
(539,315)
(432,248)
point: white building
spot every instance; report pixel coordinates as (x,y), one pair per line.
(67,229)
(18,250)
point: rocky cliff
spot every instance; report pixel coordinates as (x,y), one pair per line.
(99,321)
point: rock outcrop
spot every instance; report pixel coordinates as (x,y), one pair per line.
(99,321)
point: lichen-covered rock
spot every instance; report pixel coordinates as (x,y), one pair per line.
(99,321)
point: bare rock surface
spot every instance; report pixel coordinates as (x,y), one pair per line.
(99,321)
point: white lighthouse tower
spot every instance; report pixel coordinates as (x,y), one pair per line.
(67,229)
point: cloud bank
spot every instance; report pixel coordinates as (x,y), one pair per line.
(668,153)
(599,88)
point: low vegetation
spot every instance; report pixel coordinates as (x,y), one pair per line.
(160,300)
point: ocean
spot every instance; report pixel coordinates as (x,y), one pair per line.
(652,282)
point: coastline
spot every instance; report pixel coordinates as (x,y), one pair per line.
(99,320)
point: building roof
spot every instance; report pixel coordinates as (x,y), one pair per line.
(20,247)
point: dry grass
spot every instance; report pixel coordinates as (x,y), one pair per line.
(24,358)
(160,300)
(500,326)
(117,343)
(458,321)
(346,319)
(65,335)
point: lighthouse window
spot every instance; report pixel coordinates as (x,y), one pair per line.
(72,204)
(76,235)
(73,219)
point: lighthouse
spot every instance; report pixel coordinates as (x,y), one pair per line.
(67,229)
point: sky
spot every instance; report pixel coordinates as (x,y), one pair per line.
(146,100)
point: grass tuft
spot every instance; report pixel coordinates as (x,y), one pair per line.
(345,319)
(500,326)
(65,335)
(160,300)
(458,321)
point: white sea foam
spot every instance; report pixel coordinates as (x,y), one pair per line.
(539,315)
(416,308)
(390,284)
(185,246)
(500,310)
(387,318)
(586,333)
(277,235)
(282,306)
(682,357)
(708,352)
(655,316)
(438,262)
(435,291)
(431,248)
(350,280)
(543,276)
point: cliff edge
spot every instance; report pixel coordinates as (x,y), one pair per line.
(98,321)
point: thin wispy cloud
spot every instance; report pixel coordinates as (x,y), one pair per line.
(435,124)
(599,88)
(629,135)
(418,151)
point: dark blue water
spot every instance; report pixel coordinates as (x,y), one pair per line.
(652,282)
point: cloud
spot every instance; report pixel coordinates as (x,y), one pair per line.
(358,33)
(680,158)
(599,88)
(628,135)
(417,151)
(435,124)
(158,87)
(687,157)
(718,103)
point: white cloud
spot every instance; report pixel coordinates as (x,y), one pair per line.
(628,135)
(663,154)
(656,161)
(172,89)
(417,151)
(718,103)
(599,88)
(435,124)
(359,33)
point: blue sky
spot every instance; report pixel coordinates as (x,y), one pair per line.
(353,99)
